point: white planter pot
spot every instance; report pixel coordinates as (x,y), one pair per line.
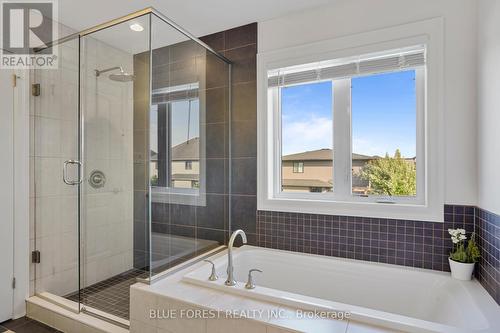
(460,270)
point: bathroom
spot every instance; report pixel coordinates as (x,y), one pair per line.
(284,166)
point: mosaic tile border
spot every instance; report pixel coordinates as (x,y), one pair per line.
(401,242)
(488,270)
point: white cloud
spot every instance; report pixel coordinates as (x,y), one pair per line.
(316,133)
(311,134)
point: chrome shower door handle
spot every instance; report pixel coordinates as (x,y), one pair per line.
(65,172)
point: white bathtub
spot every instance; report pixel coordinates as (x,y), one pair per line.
(407,299)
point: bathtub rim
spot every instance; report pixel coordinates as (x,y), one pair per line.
(361,314)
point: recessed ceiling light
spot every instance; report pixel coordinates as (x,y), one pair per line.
(136,27)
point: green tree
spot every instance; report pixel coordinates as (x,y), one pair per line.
(391,175)
(154,180)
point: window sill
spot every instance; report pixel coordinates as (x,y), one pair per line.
(188,197)
(426,212)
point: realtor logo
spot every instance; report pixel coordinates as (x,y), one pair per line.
(28,28)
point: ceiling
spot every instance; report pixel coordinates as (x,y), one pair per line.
(200,17)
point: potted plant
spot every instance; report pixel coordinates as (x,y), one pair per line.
(464,254)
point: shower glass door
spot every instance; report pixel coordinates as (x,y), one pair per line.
(53,150)
(114,206)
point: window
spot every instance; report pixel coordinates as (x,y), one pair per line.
(298,167)
(175,143)
(364,113)
(306,135)
(176,169)
(368,106)
(384,131)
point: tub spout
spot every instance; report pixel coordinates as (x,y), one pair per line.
(230,281)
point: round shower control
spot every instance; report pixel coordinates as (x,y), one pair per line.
(97,179)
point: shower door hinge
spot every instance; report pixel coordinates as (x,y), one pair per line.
(14,283)
(35,89)
(35,257)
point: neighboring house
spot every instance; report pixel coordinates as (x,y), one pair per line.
(184,165)
(312,171)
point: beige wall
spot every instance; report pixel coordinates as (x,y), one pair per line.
(320,170)
(178,167)
(182,184)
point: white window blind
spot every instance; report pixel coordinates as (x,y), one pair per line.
(341,68)
(175,93)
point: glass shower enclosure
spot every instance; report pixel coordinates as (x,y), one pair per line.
(130,142)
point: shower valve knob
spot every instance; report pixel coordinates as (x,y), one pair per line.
(213,276)
(250,284)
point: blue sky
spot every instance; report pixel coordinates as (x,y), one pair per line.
(383,115)
(181,117)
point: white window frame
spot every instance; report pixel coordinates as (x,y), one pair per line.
(187,196)
(428,205)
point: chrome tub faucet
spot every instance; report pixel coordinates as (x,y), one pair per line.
(230,281)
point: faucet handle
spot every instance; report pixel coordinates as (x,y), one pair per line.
(250,284)
(213,276)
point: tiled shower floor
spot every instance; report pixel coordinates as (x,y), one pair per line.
(111,295)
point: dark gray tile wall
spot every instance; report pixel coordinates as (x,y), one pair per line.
(240,46)
(171,66)
(177,64)
(488,269)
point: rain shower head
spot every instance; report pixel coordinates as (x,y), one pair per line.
(122,76)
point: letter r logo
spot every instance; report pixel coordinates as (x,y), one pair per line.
(26,26)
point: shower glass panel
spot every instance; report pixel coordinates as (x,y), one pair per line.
(110,200)
(189,146)
(137,121)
